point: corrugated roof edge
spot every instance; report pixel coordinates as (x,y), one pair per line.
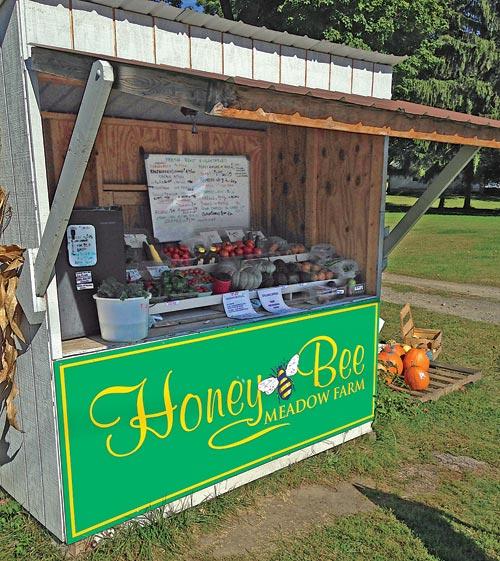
(216,23)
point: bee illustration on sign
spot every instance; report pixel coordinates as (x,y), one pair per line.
(281,380)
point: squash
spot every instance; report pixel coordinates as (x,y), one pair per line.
(280,278)
(228,267)
(417,378)
(264,266)
(247,278)
(416,357)
(391,361)
(267,280)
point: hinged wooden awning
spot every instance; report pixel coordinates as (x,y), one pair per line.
(241,98)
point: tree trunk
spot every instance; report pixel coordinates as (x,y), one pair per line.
(442,198)
(227,10)
(468,178)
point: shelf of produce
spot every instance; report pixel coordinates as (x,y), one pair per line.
(216,299)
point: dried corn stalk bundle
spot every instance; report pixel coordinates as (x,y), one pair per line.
(11,260)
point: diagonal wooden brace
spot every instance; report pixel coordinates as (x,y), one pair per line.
(39,263)
(95,98)
(434,190)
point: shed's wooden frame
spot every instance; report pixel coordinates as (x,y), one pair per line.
(44,44)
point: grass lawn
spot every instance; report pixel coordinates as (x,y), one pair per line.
(454,519)
(451,202)
(449,247)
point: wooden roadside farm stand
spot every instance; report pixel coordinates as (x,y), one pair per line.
(88,92)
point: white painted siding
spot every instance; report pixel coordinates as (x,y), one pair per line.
(98,29)
(266,61)
(293,66)
(341,74)
(29,466)
(318,70)
(134,36)
(238,56)
(172,43)
(48,22)
(362,77)
(206,50)
(382,81)
(87,17)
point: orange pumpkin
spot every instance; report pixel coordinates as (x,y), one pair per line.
(392,362)
(416,357)
(417,378)
(395,348)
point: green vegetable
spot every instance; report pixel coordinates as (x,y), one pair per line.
(112,288)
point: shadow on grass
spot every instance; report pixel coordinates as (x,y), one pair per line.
(390,207)
(431,525)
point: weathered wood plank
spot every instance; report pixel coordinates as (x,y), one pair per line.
(13,471)
(377,174)
(441,385)
(288,165)
(174,88)
(225,99)
(38,483)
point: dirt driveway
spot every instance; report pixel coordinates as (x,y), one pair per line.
(476,302)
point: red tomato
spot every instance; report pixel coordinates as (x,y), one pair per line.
(248,250)
(224,253)
(257,251)
(239,251)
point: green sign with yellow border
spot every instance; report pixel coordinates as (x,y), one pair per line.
(145,425)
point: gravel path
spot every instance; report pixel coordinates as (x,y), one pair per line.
(470,301)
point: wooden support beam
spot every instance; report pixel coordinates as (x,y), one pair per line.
(175,88)
(435,189)
(352,121)
(95,97)
(218,96)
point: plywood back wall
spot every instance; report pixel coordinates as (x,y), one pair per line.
(327,188)
(306,184)
(116,172)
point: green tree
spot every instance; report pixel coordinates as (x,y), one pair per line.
(458,70)
(453,63)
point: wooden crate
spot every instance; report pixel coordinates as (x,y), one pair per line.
(417,336)
(444,379)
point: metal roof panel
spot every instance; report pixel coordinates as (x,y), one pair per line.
(191,17)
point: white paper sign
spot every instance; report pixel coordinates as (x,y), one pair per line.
(272,300)
(237,305)
(210,237)
(82,250)
(133,275)
(235,235)
(135,240)
(156,270)
(84,280)
(192,193)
